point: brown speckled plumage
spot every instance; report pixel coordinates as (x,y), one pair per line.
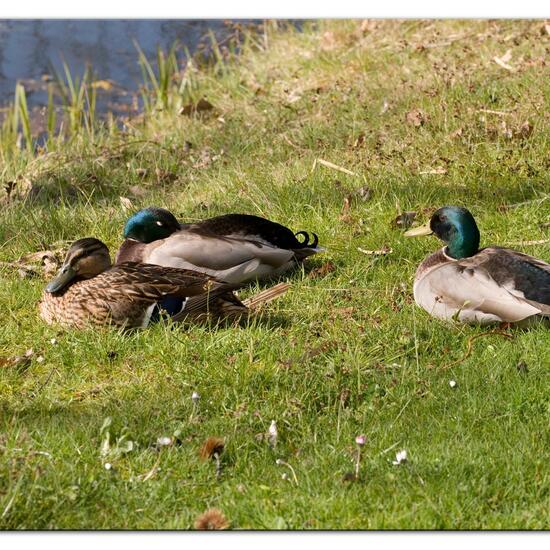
(123,295)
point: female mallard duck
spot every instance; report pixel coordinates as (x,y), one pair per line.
(235,248)
(88,291)
(462,282)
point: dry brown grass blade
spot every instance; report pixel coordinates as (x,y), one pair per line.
(333,166)
(471,341)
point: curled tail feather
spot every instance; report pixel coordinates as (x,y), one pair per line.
(305,243)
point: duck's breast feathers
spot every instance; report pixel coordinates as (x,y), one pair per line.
(255,228)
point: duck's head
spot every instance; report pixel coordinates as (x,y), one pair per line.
(456,227)
(85,259)
(151,224)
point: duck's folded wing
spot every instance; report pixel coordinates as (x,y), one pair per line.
(216,254)
(473,294)
(149,283)
(522,275)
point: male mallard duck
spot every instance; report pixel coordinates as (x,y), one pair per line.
(462,282)
(234,248)
(88,291)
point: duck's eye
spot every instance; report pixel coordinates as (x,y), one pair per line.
(159,223)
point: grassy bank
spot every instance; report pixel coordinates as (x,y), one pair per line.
(418,114)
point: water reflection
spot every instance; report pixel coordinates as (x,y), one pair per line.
(30,48)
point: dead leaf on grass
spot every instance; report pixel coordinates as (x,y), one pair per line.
(525,130)
(322,271)
(381,252)
(503,61)
(328,41)
(416,118)
(343,312)
(211,520)
(438,170)
(138,191)
(126,203)
(359,140)
(405,219)
(212,446)
(457,133)
(201,106)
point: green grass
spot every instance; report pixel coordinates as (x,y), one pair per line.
(339,355)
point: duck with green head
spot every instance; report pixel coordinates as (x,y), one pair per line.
(235,248)
(88,290)
(473,285)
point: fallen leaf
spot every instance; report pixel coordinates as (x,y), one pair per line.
(126,203)
(322,271)
(102,85)
(200,106)
(138,191)
(382,252)
(525,130)
(438,170)
(212,519)
(345,209)
(293,97)
(405,219)
(344,312)
(416,117)
(211,447)
(456,133)
(328,41)
(359,140)
(503,61)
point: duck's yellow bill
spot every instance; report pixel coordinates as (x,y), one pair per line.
(419,231)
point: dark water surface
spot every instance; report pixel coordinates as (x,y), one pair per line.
(30,48)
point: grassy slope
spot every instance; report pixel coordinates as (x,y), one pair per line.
(325,372)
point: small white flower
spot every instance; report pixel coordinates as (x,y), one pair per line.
(53,341)
(108,465)
(400,458)
(195,397)
(164,441)
(361,440)
(452,383)
(40,359)
(284,476)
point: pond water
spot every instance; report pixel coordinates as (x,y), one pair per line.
(30,49)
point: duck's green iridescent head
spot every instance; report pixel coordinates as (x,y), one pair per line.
(151,224)
(456,227)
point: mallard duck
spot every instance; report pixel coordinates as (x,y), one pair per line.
(234,248)
(87,290)
(462,282)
